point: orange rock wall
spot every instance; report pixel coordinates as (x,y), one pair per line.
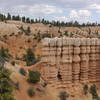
(70,61)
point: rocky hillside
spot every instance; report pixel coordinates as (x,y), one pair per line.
(20,45)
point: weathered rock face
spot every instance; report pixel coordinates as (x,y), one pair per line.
(70,61)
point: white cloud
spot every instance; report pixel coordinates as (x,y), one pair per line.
(62,18)
(39,9)
(50,8)
(84,13)
(76,15)
(95,7)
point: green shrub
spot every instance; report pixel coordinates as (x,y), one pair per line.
(66,33)
(4,53)
(85,89)
(22,71)
(46,35)
(17,85)
(25,31)
(34,76)
(6,86)
(31,92)
(93,91)
(30,58)
(6,96)
(63,95)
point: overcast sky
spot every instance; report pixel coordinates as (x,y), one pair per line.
(63,10)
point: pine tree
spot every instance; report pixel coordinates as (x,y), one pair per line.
(8,16)
(30,57)
(27,20)
(18,18)
(32,21)
(1,17)
(13,17)
(23,19)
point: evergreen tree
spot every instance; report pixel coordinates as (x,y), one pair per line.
(32,21)
(43,21)
(76,24)
(13,17)
(6,86)
(17,18)
(8,16)
(30,57)
(2,17)
(23,19)
(36,20)
(27,20)
(53,23)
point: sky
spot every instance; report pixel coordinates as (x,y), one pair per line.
(63,10)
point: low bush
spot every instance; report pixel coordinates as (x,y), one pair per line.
(4,53)
(85,89)
(6,86)
(31,92)
(23,71)
(34,77)
(63,95)
(30,58)
(6,96)
(17,85)
(93,91)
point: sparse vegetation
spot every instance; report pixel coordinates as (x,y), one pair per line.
(66,33)
(63,95)
(93,91)
(85,89)
(6,86)
(4,53)
(31,92)
(17,85)
(22,39)
(47,35)
(25,31)
(34,76)
(22,71)
(30,58)
(39,36)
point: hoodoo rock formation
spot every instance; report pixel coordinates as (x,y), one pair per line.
(70,61)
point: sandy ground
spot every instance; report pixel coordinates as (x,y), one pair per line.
(50,92)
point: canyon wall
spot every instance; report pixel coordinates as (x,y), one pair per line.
(70,61)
